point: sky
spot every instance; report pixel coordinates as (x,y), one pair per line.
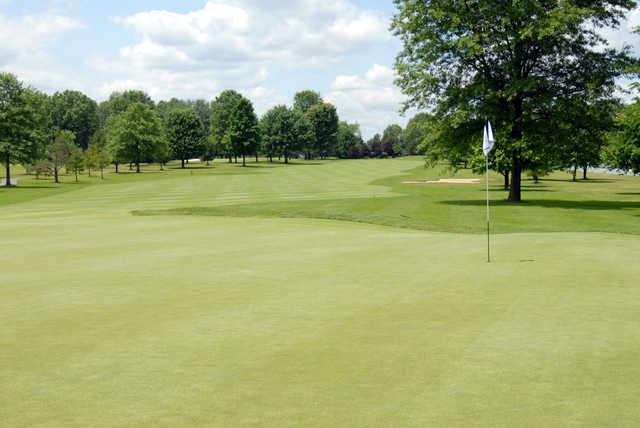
(194,49)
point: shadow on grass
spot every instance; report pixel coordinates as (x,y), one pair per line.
(550,203)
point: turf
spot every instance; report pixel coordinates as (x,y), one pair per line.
(240,317)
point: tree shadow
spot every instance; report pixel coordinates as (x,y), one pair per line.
(580,181)
(592,205)
(628,193)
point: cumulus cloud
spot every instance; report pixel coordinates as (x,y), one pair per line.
(24,43)
(236,44)
(370,99)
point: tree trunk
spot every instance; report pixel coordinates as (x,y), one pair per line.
(286,157)
(575,171)
(76,176)
(137,167)
(244,160)
(506,180)
(270,158)
(116,167)
(584,173)
(130,166)
(182,163)
(89,171)
(55,174)
(101,173)
(7,165)
(236,158)
(257,158)
(515,192)
(230,159)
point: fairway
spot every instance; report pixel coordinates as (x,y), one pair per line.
(318,294)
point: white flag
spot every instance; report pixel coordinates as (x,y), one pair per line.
(489,141)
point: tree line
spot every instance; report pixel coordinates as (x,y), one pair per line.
(72,131)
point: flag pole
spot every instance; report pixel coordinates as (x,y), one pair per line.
(488,216)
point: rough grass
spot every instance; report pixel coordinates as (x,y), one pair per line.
(110,319)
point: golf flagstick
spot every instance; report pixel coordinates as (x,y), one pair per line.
(487,146)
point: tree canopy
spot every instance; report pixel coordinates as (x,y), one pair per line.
(510,62)
(185,134)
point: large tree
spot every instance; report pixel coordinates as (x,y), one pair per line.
(243,131)
(324,119)
(21,123)
(510,62)
(279,132)
(392,142)
(221,111)
(135,134)
(185,134)
(73,111)
(119,102)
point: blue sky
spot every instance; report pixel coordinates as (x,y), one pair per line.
(267,49)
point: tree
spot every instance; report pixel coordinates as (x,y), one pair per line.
(99,145)
(279,129)
(243,132)
(582,142)
(623,151)
(305,134)
(119,102)
(165,108)
(324,120)
(91,158)
(60,151)
(415,133)
(21,123)
(508,62)
(392,143)
(304,100)
(348,140)
(375,146)
(221,111)
(76,161)
(135,134)
(75,112)
(203,110)
(184,134)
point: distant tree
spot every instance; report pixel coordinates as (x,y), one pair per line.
(203,110)
(165,108)
(208,150)
(509,62)
(60,151)
(582,139)
(304,100)
(392,143)
(243,132)
(91,158)
(76,161)
(21,125)
(623,151)
(305,135)
(184,134)
(119,102)
(162,152)
(221,111)
(135,134)
(99,145)
(348,140)
(280,132)
(74,111)
(375,146)
(324,120)
(415,133)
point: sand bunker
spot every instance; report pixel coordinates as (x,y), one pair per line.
(445,181)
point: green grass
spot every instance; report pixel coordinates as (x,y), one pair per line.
(239,317)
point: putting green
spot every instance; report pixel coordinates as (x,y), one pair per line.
(112,319)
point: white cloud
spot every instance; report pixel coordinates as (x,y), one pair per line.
(24,43)
(236,44)
(370,99)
